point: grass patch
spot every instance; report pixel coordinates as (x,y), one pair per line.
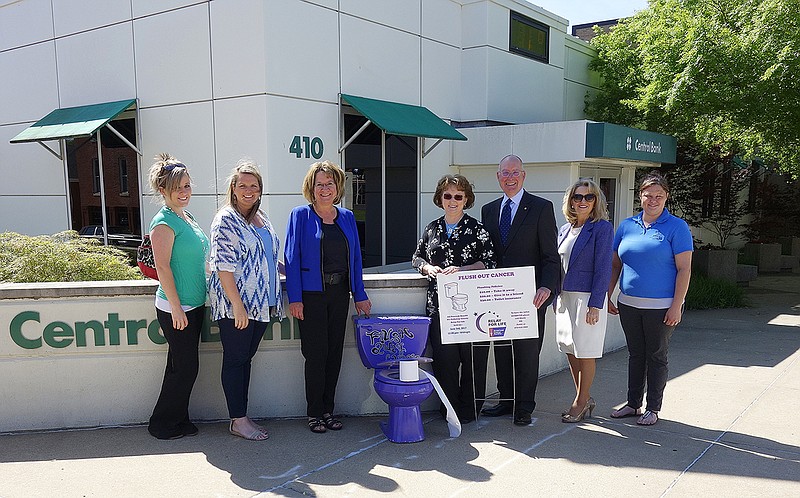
(62,257)
(712,293)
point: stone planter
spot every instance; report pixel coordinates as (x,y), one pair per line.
(766,256)
(715,263)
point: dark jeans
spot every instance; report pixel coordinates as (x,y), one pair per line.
(517,375)
(322,342)
(648,344)
(171,414)
(452,367)
(238,348)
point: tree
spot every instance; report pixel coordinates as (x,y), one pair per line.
(720,75)
(710,192)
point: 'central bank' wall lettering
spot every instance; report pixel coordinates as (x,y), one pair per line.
(27,332)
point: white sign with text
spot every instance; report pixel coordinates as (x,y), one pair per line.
(487,305)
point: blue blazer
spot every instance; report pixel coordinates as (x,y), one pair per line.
(590,261)
(303,253)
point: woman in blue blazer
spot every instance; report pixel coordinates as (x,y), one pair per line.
(584,244)
(323,267)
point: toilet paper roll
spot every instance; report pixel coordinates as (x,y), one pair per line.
(453,423)
(409,370)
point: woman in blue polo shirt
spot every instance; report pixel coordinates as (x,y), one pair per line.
(652,260)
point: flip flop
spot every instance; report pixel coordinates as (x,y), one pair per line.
(648,418)
(626,411)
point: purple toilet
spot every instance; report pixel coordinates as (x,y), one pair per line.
(382,342)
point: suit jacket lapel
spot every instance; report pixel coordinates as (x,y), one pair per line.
(583,238)
(522,211)
(492,223)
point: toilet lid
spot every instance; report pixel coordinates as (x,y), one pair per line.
(392,376)
(395,363)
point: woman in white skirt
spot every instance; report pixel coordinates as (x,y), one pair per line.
(584,244)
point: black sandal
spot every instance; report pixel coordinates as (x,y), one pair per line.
(316,425)
(332,423)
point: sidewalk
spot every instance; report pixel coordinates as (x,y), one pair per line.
(729,427)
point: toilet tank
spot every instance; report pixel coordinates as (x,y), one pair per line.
(389,338)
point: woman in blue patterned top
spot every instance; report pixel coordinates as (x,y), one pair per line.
(179,248)
(244,287)
(454,242)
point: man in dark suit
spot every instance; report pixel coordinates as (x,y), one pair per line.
(523,234)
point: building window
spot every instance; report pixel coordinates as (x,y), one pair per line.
(122,218)
(95,176)
(95,215)
(123,176)
(529,38)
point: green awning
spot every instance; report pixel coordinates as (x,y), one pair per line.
(403,119)
(80,121)
(615,141)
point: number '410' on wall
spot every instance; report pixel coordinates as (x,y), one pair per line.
(306,147)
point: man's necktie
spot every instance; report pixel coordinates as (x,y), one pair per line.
(505,222)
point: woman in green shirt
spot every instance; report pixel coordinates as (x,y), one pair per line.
(180,248)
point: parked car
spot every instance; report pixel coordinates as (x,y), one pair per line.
(117,236)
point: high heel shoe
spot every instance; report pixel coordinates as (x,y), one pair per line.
(587,409)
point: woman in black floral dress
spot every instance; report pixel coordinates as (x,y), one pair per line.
(455,242)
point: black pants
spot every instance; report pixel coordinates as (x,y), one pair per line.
(452,367)
(171,413)
(648,344)
(517,376)
(238,348)
(322,342)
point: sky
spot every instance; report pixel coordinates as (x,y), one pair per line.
(584,11)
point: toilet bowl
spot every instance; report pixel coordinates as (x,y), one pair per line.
(460,302)
(383,341)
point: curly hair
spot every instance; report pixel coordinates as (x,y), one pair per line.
(460,182)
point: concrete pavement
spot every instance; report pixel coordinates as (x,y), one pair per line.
(729,427)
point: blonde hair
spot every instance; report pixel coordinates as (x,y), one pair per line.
(330,169)
(249,167)
(166,173)
(599,211)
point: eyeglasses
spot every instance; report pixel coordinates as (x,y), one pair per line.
(447,196)
(329,186)
(513,174)
(581,197)
(171,166)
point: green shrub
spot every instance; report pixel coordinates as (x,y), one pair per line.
(62,257)
(707,293)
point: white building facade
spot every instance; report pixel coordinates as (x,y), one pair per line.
(399,92)
(213,81)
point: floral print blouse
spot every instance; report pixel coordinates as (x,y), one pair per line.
(467,244)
